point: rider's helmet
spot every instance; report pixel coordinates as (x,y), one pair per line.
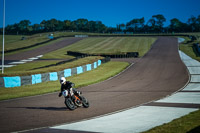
(62,80)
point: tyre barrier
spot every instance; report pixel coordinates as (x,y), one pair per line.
(121,55)
(18,81)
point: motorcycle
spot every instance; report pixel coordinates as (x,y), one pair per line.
(72,103)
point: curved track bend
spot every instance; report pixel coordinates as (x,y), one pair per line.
(159,73)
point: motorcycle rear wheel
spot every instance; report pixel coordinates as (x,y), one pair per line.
(70,104)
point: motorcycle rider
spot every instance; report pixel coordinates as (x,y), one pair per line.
(67,85)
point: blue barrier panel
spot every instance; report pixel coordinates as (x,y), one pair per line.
(89,67)
(95,65)
(79,70)
(99,62)
(12,81)
(68,72)
(33,79)
(53,76)
(37,78)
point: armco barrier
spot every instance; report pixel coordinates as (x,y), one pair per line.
(52,76)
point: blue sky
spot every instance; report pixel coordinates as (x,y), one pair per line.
(110,12)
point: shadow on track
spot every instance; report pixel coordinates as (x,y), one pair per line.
(44,108)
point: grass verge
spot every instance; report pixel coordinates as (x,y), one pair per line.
(106,45)
(103,72)
(188,48)
(186,124)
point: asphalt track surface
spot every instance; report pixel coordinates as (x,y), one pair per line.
(158,74)
(41,50)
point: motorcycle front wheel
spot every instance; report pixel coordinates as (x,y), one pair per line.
(85,102)
(70,104)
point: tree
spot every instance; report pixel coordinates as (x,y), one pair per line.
(92,26)
(43,25)
(151,25)
(11,29)
(121,27)
(52,24)
(23,26)
(101,27)
(136,25)
(156,22)
(59,25)
(67,24)
(198,23)
(176,25)
(73,26)
(110,30)
(160,19)
(36,28)
(193,23)
(96,26)
(82,25)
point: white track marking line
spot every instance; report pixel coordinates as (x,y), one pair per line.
(17,62)
(8,65)
(33,58)
(23,61)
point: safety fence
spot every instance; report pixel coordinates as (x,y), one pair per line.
(17,81)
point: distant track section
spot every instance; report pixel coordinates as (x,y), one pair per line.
(43,50)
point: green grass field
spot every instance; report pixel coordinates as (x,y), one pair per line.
(107,45)
(113,45)
(188,48)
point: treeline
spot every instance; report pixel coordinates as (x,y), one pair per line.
(156,25)
(138,25)
(83,25)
